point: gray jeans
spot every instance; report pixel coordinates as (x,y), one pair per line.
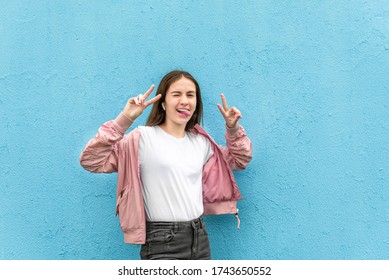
(176,241)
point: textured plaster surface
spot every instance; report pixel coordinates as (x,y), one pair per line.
(310,77)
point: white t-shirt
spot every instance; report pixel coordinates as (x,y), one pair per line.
(171,174)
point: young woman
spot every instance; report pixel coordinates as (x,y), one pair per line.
(170,172)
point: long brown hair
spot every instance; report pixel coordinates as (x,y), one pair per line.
(157,115)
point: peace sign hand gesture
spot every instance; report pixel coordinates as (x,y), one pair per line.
(136,105)
(231,115)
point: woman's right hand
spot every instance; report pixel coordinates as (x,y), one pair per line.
(136,105)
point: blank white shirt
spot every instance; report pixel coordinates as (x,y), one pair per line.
(171,174)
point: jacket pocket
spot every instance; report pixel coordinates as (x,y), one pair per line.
(128,210)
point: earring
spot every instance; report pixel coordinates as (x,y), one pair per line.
(163,106)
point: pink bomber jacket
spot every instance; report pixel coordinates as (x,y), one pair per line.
(113,151)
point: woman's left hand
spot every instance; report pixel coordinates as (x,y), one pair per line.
(231,115)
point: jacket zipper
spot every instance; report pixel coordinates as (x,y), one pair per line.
(237,218)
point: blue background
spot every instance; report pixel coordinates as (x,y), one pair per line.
(310,77)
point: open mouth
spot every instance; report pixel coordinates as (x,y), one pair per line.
(184,112)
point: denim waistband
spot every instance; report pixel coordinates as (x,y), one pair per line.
(195,223)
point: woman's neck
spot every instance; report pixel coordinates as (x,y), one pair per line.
(173,129)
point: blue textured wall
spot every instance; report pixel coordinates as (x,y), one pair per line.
(310,77)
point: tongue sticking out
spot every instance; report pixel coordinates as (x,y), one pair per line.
(185,113)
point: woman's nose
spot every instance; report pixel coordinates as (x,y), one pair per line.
(184,99)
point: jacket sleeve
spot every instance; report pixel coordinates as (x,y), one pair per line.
(238,152)
(101,152)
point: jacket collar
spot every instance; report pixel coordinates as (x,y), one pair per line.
(198,129)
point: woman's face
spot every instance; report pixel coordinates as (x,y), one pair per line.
(180,102)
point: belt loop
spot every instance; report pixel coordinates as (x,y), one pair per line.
(202,223)
(195,223)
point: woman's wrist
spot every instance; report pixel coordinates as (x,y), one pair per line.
(123,121)
(235,126)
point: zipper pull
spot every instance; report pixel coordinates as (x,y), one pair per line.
(237,218)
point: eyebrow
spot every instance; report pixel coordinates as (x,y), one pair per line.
(177,91)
